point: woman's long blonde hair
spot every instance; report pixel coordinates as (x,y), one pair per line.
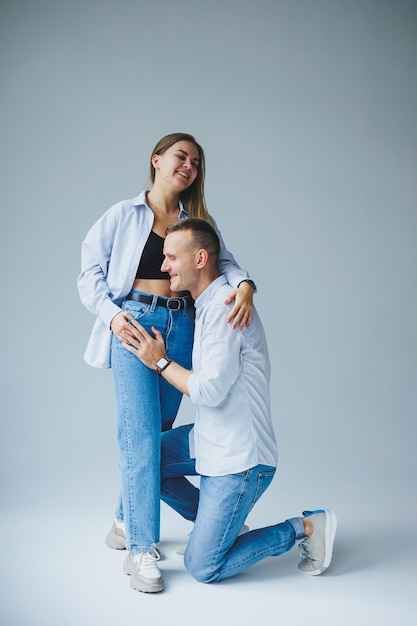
(193,197)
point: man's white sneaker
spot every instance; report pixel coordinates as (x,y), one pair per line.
(316,551)
(144,572)
(180,551)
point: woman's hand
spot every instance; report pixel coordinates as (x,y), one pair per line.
(120,325)
(242,311)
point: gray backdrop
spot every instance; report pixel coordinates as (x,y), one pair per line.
(306,110)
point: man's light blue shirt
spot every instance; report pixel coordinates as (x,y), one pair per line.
(230,389)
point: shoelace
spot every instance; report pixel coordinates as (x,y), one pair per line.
(154,552)
(304,550)
(146,562)
(147,558)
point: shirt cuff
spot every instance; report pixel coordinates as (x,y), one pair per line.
(107,311)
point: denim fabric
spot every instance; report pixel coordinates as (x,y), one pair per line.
(146,404)
(219,510)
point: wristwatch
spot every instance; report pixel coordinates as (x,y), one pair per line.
(162,364)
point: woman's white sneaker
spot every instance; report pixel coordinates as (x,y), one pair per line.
(116,538)
(143,569)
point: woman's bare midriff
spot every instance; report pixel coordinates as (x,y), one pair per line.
(157,287)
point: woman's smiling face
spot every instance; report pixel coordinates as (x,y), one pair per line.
(177,165)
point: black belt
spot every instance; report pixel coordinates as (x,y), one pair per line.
(174,304)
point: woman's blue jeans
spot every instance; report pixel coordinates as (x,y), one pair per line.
(219,510)
(146,405)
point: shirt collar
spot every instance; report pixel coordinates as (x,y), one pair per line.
(205,297)
(141,200)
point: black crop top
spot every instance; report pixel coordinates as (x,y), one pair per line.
(152,259)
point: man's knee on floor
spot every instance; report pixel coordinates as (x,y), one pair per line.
(200,569)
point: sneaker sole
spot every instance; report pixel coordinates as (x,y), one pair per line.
(140,584)
(179,552)
(329,535)
(115,541)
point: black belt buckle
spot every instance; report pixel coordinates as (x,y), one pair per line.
(177,301)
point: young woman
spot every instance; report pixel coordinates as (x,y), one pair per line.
(120,280)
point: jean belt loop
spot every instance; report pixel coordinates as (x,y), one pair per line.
(153,304)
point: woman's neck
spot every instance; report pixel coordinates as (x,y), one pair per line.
(162,201)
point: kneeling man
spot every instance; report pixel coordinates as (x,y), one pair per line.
(232,444)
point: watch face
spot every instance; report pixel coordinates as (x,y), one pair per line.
(162,364)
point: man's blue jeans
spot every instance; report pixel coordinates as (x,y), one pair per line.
(219,510)
(146,404)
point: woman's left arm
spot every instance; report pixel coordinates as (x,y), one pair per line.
(241,313)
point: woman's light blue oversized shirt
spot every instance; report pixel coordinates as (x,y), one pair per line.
(110,254)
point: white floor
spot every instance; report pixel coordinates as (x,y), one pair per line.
(57,571)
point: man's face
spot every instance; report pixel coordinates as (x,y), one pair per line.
(180,261)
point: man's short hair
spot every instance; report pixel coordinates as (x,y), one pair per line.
(203,235)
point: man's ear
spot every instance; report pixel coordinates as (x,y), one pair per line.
(201,258)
